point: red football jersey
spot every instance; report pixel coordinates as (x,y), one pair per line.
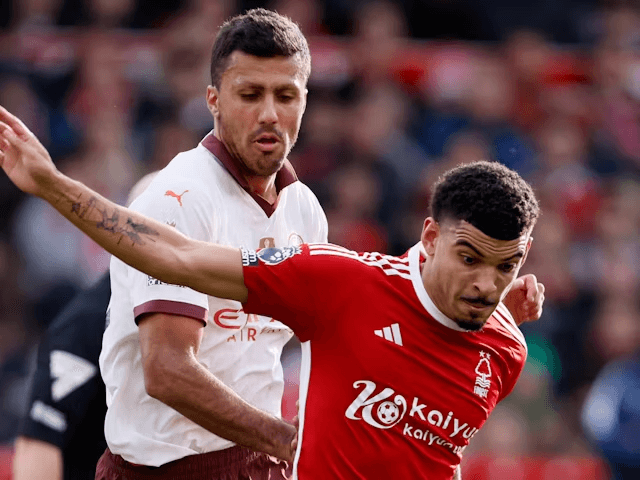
(390,387)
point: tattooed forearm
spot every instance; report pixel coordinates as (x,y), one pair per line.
(111,222)
(134,230)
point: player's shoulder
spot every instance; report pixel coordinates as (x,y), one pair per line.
(302,190)
(178,186)
(508,331)
(300,195)
(373,263)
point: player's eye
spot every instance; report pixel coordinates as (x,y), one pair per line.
(467,260)
(507,267)
(249,96)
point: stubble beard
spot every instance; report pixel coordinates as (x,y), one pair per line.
(474,323)
(258,165)
(470,325)
(266,167)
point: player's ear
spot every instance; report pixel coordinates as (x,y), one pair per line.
(430,234)
(304,100)
(212,100)
(526,252)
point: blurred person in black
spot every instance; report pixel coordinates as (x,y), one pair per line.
(61,436)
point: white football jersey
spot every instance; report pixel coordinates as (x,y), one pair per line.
(202,194)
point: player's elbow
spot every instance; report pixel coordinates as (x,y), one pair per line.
(160,372)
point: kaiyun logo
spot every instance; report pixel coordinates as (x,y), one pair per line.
(383,410)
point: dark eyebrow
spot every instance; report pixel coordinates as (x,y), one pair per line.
(258,86)
(250,85)
(464,243)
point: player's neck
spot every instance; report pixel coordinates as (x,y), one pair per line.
(265,187)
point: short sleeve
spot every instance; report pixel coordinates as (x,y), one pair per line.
(280,284)
(305,287)
(188,207)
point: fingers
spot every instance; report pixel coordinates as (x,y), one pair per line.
(529,307)
(517,283)
(5,130)
(10,138)
(7,138)
(531,286)
(14,123)
(538,301)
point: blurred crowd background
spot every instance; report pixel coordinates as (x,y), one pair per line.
(399,92)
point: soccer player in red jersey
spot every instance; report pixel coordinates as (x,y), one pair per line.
(404,357)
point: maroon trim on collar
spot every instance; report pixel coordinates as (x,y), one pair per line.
(285,176)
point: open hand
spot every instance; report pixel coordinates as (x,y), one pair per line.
(525,299)
(23,158)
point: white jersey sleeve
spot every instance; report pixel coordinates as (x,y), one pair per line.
(188,207)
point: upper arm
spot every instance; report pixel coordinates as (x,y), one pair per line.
(197,263)
(214,269)
(36,459)
(163,334)
(303,287)
(168,344)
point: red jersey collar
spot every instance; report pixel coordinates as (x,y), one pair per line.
(285,176)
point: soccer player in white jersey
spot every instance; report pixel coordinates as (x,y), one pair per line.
(191,379)
(405,357)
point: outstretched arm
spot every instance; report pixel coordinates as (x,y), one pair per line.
(161,251)
(145,244)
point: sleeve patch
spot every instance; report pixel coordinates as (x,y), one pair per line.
(151,282)
(269,256)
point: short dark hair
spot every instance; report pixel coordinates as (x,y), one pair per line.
(491,197)
(261,33)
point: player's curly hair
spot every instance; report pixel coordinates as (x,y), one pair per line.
(491,197)
(261,33)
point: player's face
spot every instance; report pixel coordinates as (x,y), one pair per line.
(257,110)
(467,273)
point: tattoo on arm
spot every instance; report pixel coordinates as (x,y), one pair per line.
(137,232)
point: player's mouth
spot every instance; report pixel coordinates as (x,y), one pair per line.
(479,305)
(267,142)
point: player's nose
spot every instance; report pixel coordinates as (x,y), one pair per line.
(486,283)
(268,112)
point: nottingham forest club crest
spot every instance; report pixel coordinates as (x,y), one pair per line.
(483,372)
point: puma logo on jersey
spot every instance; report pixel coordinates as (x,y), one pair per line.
(171,193)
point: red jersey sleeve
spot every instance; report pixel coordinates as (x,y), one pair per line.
(289,285)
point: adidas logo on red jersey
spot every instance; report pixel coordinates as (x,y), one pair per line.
(391,333)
